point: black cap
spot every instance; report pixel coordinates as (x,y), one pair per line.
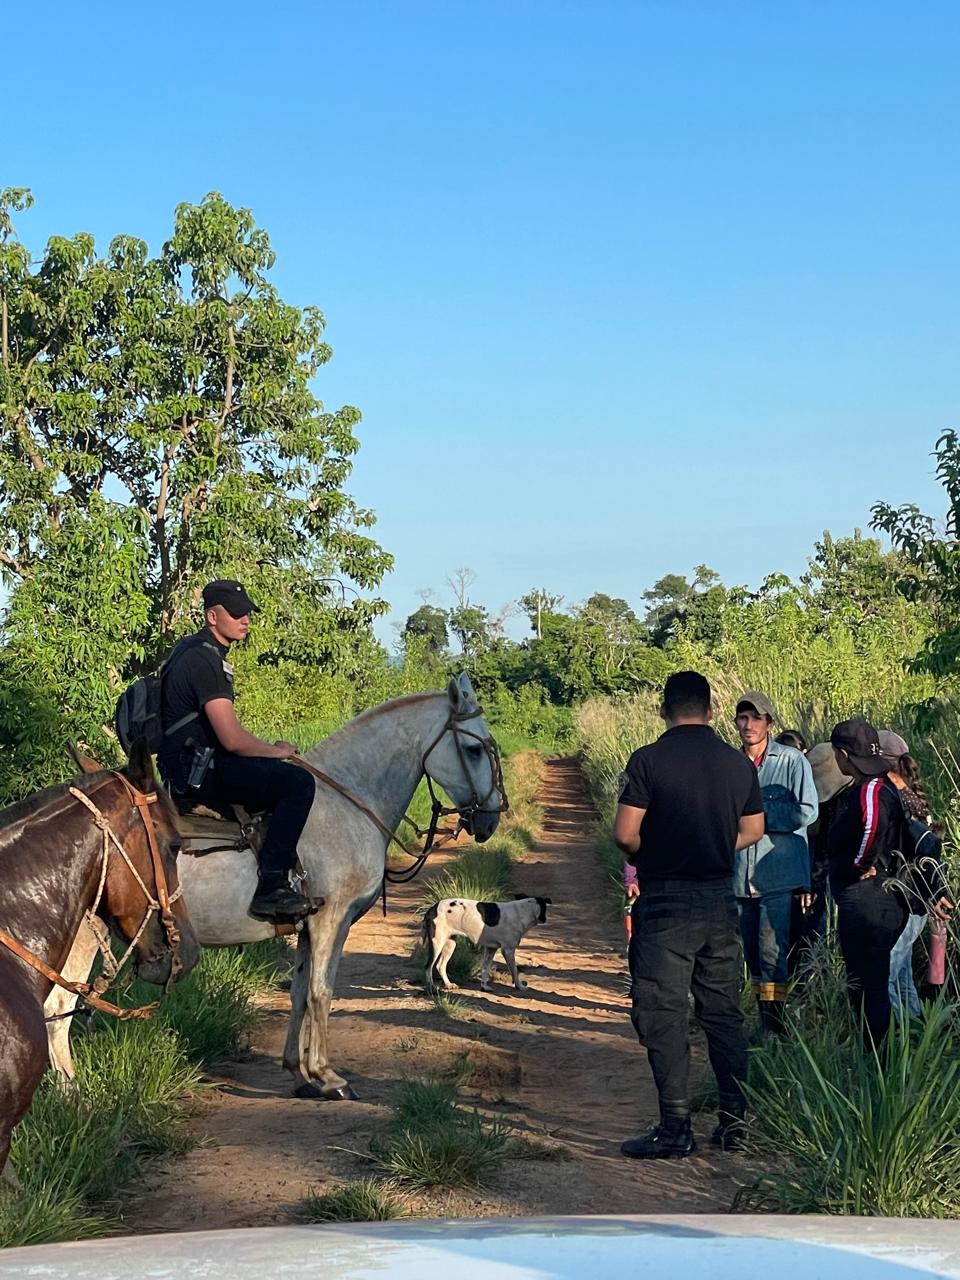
(861,742)
(231,595)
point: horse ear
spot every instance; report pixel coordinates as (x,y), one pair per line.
(140,768)
(453,693)
(86,764)
(467,692)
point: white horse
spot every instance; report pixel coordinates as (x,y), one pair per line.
(379,758)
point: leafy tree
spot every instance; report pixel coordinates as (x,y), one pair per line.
(537,602)
(430,624)
(158,429)
(932,573)
(697,606)
(471,625)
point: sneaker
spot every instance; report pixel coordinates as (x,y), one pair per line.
(661,1144)
(279,903)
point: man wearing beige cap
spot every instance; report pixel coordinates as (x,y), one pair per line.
(767,874)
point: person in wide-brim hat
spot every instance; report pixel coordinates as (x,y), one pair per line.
(827,776)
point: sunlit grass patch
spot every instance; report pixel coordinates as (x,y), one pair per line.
(366,1200)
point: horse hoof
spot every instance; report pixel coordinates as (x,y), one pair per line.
(346,1093)
(343,1093)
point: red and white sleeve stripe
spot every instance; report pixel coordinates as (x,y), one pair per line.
(870,810)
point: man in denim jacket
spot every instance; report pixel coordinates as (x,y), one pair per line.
(767,874)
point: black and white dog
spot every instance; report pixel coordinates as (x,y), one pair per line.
(492,926)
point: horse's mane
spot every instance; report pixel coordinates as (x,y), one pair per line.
(364,718)
(21,810)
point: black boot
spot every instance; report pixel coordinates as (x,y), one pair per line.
(671,1139)
(771,1018)
(276,900)
(730,1133)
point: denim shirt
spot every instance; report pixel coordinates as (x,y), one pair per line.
(780,860)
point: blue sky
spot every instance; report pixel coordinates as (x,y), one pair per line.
(619,287)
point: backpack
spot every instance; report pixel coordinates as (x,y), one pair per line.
(139,710)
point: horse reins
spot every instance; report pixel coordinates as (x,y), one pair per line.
(90,992)
(438,809)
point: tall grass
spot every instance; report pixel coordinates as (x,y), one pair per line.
(854,1132)
(134,1089)
(134,1085)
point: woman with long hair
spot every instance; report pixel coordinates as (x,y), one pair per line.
(904,772)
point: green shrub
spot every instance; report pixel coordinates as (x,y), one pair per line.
(461,1152)
(367,1200)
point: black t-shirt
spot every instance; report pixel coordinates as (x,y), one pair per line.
(868,826)
(695,790)
(196,672)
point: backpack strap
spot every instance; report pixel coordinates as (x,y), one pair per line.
(181,647)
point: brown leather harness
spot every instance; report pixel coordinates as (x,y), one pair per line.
(91,993)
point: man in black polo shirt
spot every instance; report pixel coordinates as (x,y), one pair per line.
(208,756)
(687,803)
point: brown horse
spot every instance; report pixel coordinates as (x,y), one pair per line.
(106,843)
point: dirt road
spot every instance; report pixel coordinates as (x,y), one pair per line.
(559,1062)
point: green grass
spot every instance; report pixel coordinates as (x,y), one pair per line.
(135,1084)
(450,1006)
(212,1009)
(367,1200)
(433,1142)
(482,873)
(849,1132)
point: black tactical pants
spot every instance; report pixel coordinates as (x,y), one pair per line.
(685,939)
(870,919)
(284,790)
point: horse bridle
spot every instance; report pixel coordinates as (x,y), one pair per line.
(477,804)
(161,904)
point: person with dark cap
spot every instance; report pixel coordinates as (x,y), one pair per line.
(864,836)
(687,802)
(769,874)
(209,757)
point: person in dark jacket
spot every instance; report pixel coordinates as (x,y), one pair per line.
(208,755)
(863,837)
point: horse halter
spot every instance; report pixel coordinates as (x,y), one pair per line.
(477,803)
(161,904)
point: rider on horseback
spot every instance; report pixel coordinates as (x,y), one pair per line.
(208,757)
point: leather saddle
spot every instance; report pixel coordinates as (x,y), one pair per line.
(232,827)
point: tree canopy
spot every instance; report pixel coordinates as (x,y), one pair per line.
(160,428)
